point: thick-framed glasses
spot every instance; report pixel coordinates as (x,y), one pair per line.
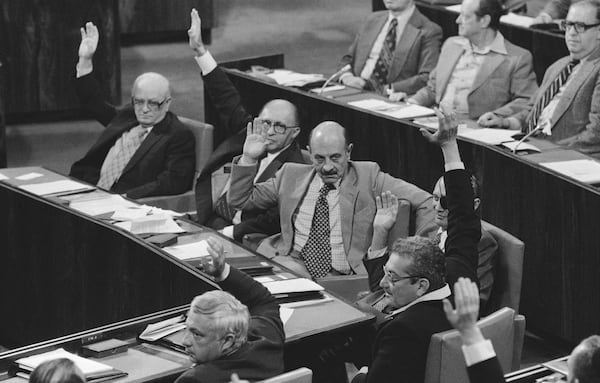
(579,27)
(394,279)
(278,127)
(442,200)
(153,105)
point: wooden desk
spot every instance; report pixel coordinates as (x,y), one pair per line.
(546,47)
(80,272)
(555,216)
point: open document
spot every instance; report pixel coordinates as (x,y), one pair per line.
(56,187)
(587,171)
(393,109)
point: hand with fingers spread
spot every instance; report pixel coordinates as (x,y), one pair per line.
(195,33)
(89,41)
(255,145)
(387,210)
(464,317)
(447,130)
(215,264)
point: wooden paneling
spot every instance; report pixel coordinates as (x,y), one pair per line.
(39,40)
(154,16)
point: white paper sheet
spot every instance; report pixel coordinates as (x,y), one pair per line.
(518,20)
(522,146)
(3,177)
(87,366)
(289,78)
(155,331)
(100,204)
(296,285)
(29,176)
(587,171)
(285,314)
(392,109)
(54,187)
(189,250)
(489,136)
(155,224)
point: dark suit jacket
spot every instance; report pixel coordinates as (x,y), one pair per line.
(401,343)
(261,357)
(163,164)
(416,52)
(488,371)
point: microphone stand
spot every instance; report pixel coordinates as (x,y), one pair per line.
(330,79)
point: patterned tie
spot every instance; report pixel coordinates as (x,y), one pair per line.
(549,94)
(224,209)
(378,78)
(119,155)
(316,253)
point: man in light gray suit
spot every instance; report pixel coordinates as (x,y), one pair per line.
(327,208)
(566,109)
(480,74)
(415,53)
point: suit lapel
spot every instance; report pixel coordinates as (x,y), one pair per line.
(277,162)
(367,43)
(445,71)
(490,63)
(348,195)
(568,96)
(403,49)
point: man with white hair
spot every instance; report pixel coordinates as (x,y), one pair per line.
(238,331)
(144,150)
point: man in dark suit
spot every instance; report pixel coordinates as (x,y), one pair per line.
(480,357)
(144,150)
(237,330)
(566,109)
(415,40)
(415,276)
(281,122)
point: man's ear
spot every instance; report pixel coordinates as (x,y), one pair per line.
(349,149)
(476,203)
(423,286)
(227,344)
(486,20)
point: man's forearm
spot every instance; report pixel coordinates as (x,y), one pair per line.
(84,66)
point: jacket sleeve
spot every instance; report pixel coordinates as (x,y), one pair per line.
(429,54)
(89,93)
(264,223)
(523,86)
(488,371)
(243,194)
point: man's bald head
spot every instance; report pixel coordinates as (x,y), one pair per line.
(151,98)
(584,361)
(330,151)
(282,123)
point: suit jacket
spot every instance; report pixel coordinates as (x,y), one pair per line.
(503,84)
(164,163)
(416,52)
(401,342)
(576,118)
(488,371)
(487,260)
(233,118)
(261,357)
(361,184)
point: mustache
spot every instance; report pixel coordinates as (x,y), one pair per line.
(331,172)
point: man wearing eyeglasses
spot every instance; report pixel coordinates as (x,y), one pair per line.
(280,124)
(566,109)
(144,150)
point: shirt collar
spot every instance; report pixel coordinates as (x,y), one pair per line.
(271,156)
(320,182)
(403,16)
(497,45)
(435,295)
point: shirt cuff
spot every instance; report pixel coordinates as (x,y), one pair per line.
(344,75)
(206,62)
(372,254)
(454,166)
(228,231)
(478,352)
(83,70)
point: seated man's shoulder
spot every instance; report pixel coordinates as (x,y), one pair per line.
(454,41)
(206,372)
(515,50)
(423,318)
(294,167)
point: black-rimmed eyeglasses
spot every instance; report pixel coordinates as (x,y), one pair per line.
(278,127)
(153,105)
(579,27)
(393,279)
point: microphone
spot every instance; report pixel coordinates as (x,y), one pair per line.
(539,127)
(345,68)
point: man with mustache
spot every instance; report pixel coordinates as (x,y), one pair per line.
(327,208)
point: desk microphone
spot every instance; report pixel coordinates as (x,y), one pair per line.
(345,68)
(539,127)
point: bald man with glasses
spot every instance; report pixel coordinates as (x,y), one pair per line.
(566,108)
(144,150)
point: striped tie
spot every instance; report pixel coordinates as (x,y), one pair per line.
(378,79)
(119,155)
(549,94)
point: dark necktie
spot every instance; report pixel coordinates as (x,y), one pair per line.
(549,94)
(378,78)
(316,253)
(223,209)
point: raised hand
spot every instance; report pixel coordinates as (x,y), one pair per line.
(447,130)
(256,143)
(195,33)
(387,210)
(89,41)
(214,264)
(464,316)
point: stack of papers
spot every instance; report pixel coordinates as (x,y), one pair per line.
(151,224)
(189,251)
(56,187)
(523,146)
(87,366)
(296,285)
(587,171)
(289,78)
(396,110)
(156,331)
(488,135)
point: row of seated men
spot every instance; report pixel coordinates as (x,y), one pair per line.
(335,213)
